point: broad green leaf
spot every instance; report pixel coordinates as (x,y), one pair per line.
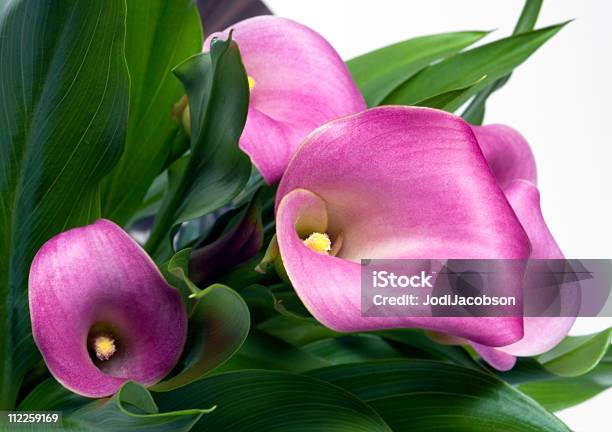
(218,326)
(215,170)
(262,351)
(421,395)
(273,401)
(132,408)
(413,343)
(576,355)
(475,111)
(378,72)
(492,61)
(64,86)
(52,396)
(557,393)
(526,369)
(352,348)
(160,35)
(563,393)
(296,330)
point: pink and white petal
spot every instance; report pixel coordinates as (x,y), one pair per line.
(300,82)
(507,153)
(98,274)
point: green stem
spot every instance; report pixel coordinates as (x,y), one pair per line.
(164,220)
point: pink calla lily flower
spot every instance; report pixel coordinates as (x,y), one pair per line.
(298,82)
(404,182)
(101,311)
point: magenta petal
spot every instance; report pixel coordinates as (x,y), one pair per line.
(541,333)
(495,357)
(524,198)
(300,82)
(396,182)
(507,153)
(97,275)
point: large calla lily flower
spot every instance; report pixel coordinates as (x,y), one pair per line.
(298,82)
(392,182)
(102,313)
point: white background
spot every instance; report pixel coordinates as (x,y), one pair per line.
(560,100)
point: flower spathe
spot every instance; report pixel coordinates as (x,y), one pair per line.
(101,311)
(405,182)
(393,182)
(298,82)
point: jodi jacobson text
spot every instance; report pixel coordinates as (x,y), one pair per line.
(443,300)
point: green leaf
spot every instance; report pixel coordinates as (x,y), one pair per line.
(421,395)
(445,101)
(272,401)
(492,61)
(529,16)
(218,326)
(160,35)
(296,330)
(378,72)
(576,355)
(557,393)
(414,343)
(588,372)
(132,408)
(352,348)
(64,86)
(176,273)
(267,303)
(475,111)
(215,170)
(262,351)
(52,396)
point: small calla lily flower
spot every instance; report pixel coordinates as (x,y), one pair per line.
(298,82)
(392,182)
(102,313)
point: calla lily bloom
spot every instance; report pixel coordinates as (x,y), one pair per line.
(393,182)
(405,182)
(101,311)
(298,82)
